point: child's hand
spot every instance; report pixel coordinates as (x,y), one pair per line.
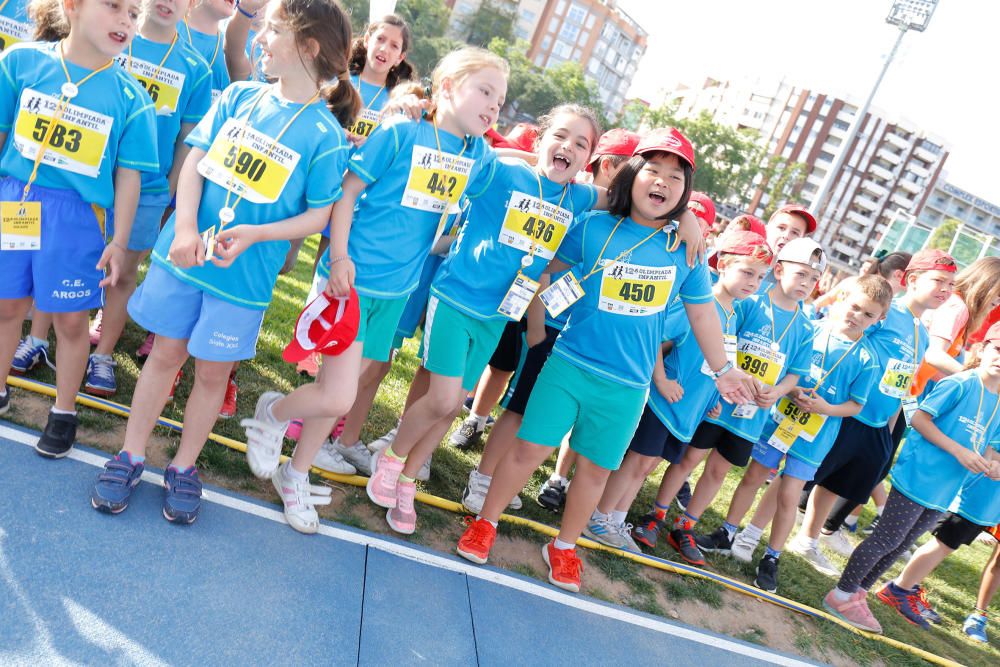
(972,461)
(111,259)
(994,471)
(737,387)
(715,411)
(806,401)
(409,105)
(187,250)
(341,278)
(767,396)
(356,139)
(230,243)
(670,390)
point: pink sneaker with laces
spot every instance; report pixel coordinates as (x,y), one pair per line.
(382,484)
(854,610)
(403,517)
(95,327)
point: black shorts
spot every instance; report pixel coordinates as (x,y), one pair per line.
(953,530)
(652,438)
(896,437)
(519,390)
(508,350)
(857,462)
(733,448)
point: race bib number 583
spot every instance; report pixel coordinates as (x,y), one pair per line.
(76,143)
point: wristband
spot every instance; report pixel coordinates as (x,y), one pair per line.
(722,371)
(244,12)
(338,258)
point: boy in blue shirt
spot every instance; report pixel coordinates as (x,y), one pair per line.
(804,425)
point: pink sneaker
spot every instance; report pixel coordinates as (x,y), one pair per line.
(403,518)
(854,610)
(382,484)
(95,327)
(338,428)
(294,430)
(146,347)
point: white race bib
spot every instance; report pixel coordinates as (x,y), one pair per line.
(76,143)
(896,380)
(729,342)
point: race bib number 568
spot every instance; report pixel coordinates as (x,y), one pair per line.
(76,143)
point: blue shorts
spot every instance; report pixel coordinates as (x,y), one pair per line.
(146,226)
(61,276)
(416,303)
(769,457)
(215,330)
(653,438)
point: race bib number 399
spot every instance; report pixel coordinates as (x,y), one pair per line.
(529,221)
(630,289)
(896,380)
(165,90)
(76,143)
(432,186)
(242,163)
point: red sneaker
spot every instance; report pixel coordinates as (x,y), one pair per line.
(477,540)
(173,387)
(229,403)
(564,567)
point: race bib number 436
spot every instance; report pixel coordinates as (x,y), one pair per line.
(242,163)
(630,289)
(530,221)
(433,186)
(76,143)
(165,90)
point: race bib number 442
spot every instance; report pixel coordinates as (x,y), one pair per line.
(76,143)
(530,221)
(241,162)
(631,289)
(433,186)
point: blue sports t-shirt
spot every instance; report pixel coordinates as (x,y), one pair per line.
(925,473)
(892,340)
(685,364)
(181,93)
(398,215)
(373,100)
(211,49)
(107,125)
(502,226)
(15,26)
(854,372)
(615,328)
(979,500)
(794,333)
(303,171)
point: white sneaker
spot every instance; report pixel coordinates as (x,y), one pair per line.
(300,499)
(838,543)
(424,473)
(475,492)
(329,459)
(378,445)
(515,503)
(814,557)
(625,530)
(357,455)
(264,437)
(743,548)
(605,532)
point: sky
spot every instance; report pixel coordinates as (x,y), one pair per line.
(942,81)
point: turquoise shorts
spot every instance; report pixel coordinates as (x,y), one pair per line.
(602,414)
(457,345)
(377,326)
(146,226)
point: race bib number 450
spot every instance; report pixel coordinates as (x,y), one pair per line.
(165,90)
(630,289)
(76,143)
(433,186)
(530,221)
(242,163)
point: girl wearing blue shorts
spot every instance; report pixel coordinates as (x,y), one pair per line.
(75,130)
(596,380)
(264,167)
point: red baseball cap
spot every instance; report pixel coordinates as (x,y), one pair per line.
(930,259)
(802,212)
(748,223)
(702,207)
(326,325)
(992,334)
(618,141)
(522,138)
(667,140)
(740,242)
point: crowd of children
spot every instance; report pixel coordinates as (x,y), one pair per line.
(561,269)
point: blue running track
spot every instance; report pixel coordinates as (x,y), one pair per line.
(238,587)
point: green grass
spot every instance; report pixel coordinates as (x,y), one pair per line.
(952,587)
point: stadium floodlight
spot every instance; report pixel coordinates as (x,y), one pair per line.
(911,14)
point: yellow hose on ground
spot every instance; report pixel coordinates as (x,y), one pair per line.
(112,407)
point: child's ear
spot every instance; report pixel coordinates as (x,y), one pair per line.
(779,270)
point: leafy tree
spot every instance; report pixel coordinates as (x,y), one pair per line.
(428,21)
(944,234)
(358,10)
(492,20)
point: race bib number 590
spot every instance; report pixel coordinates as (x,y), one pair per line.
(242,162)
(76,143)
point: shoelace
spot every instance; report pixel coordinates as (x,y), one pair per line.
(922,598)
(568,566)
(103,369)
(479,533)
(26,349)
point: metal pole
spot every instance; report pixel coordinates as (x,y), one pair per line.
(818,204)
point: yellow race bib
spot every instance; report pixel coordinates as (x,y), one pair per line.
(897,378)
(245,166)
(12,32)
(20,225)
(631,289)
(365,123)
(760,361)
(165,90)
(807,423)
(432,186)
(76,143)
(529,220)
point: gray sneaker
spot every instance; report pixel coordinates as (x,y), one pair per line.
(468,435)
(329,459)
(357,455)
(475,492)
(378,445)
(605,532)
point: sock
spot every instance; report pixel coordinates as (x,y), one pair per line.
(492,523)
(480,421)
(406,480)
(35,342)
(103,357)
(979,612)
(133,458)
(57,411)
(295,474)
(851,523)
(660,511)
(562,546)
(730,529)
(4,392)
(180,470)
(774,553)
(392,454)
(558,479)
(752,532)
(811,543)
(598,515)
(879,509)
(841,596)
(683,519)
(618,517)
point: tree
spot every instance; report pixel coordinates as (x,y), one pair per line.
(492,20)
(943,235)
(358,11)
(428,21)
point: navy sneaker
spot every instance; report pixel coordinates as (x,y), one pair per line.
(553,495)
(5,401)
(28,356)
(907,603)
(114,485)
(647,531)
(58,437)
(767,574)
(682,539)
(183,498)
(718,542)
(101,375)
(926,609)
(870,528)
(683,496)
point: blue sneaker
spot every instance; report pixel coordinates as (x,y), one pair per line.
(907,603)
(183,499)
(114,485)
(926,610)
(101,375)
(683,496)
(975,628)
(28,356)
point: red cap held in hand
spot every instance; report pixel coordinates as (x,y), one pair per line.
(748,223)
(325,326)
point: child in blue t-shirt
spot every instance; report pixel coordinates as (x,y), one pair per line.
(774,345)
(954,438)
(75,130)
(804,425)
(15,24)
(683,392)
(178,81)
(202,29)
(596,380)
(263,168)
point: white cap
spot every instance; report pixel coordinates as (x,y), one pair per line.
(802,251)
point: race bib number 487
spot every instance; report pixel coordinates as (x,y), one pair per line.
(631,289)
(76,143)
(241,162)
(365,123)
(433,186)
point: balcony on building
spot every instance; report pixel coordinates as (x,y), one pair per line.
(897,141)
(917,170)
(926,155)
(911,186)
(901,200)
(889,156)
(866,203)
(859,218)
(871,187)
(849,232)
(881,172)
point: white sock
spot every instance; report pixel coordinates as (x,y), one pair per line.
(618,517)
(480,421)
(752,533)
(57,411)
(841,596)
(295,474)
(558,479)
(851,521)
(879,509)
(598,515)
(35,342)
(562,546)
(810,543)
(492,523)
